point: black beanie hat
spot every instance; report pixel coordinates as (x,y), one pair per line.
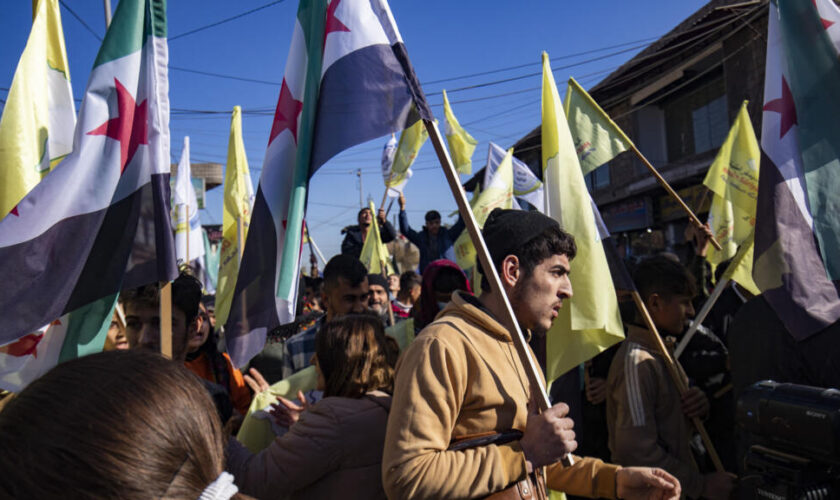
(378,279)
(506,230)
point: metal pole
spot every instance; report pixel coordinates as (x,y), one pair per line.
(361,201)
(704,311)
(107,13)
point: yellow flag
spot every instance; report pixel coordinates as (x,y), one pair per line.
(597,138)
(733,178)
(497,194)
(411,140)
(402,332)
(588,322)
(236,215)
(36,129)
(374,252)
(740,269)
(461,144)
(255,432)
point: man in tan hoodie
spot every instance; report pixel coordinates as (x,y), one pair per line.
(462,378)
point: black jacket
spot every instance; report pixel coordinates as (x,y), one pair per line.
(352,244)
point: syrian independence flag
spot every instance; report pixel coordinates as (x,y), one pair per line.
(348,80)
(787,264)
(101,221)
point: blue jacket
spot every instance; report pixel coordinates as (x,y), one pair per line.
(445,240)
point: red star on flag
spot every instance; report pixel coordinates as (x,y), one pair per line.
(130,127)
(25,346)
(785,106)
(286,114)
(825,22)
(332,23)
(14,211)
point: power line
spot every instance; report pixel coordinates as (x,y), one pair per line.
(223,21)
(228,77)
(526,65)
(81,21)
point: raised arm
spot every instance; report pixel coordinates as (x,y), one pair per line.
(387,233)
(412,235)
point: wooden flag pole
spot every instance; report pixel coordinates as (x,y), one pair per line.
(385,275)
(384,199)
(508,319)
(166,320)
(187,210)
(240,238)
(677,375)
(698,319)
(672,193)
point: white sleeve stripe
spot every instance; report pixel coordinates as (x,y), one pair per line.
(634,394)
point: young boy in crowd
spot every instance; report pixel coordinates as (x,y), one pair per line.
(648,420)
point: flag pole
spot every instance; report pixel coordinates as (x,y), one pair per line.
(384,198)
(120,314)
(107,13)
(701,315)
(508,319)
(240,239)
(385,275)
(672,193)
(187,210)
(677,375)
(641,157)
(315,246)
(166,319)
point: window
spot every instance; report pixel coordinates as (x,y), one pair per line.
(711,125)
(598,178)
(601,176)
(696,119)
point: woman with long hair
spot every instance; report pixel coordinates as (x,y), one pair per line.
(334,450)
(117,424)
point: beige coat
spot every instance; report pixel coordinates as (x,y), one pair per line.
(644,413)
(333,451)
(461,377)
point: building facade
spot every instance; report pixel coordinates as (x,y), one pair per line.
(676,100)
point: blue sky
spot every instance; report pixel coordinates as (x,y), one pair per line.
(447,41)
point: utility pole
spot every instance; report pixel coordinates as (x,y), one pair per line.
(361,200)
(107,13)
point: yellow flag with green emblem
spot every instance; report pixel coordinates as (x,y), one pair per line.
(589,322)
(597,138)
(236,215)
(733,178)
(461,143)
(497,194)
(411,140)
(374,252)
(36,129)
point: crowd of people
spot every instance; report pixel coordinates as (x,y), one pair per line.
(444,411)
